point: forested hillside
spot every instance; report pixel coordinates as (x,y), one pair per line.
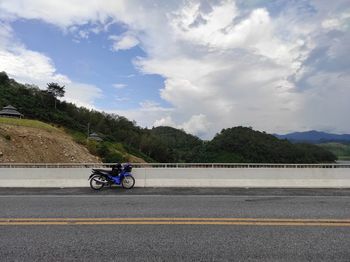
(39,104)
(181,147)
(161,144)
(242,144)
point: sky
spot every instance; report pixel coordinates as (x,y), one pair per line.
(273,65)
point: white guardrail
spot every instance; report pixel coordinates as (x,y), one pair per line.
(183,175)
(172,165)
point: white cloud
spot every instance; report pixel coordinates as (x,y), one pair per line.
(84,34)
(121,99)
(61,13)
(119,86)
(273,69)
(197,124)
(340,23)
(28,66)
(165,121)
(124,41)
(82,94)
(148,105)
(331,23)
(5,34)
(147,114)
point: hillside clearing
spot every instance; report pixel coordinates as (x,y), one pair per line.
(28,141)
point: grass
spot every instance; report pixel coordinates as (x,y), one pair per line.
(27,123)
(342,151)
(78,137)
(344,158)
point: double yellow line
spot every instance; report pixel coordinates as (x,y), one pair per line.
(176,221)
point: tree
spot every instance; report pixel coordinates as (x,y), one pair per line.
(55,90)
(3,78)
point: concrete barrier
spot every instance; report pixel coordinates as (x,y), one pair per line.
(185,177)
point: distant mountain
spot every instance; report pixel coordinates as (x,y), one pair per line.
(314,137)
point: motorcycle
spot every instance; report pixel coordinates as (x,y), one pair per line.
(119,175)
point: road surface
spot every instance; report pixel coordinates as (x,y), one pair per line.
(174,225)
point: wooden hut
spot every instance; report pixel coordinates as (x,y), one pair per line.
(10,111)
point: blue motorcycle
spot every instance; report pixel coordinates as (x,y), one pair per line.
(119,175)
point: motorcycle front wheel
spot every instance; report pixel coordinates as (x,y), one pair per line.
(128,182)
(97,182)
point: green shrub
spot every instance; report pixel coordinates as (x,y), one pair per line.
(120,147)
(113,157)
(79,138)
(92,147)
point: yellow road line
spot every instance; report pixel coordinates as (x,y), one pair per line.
(176,221)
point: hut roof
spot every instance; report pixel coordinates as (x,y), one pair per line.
(9,107)
(95,136)
(10,111)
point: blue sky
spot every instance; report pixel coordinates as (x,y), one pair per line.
(199,65)
(91,60)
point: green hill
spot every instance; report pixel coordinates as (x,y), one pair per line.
(242,144)
(162,144)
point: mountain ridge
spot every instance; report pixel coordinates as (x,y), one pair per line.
(314,136)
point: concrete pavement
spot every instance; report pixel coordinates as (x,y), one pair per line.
(175,242)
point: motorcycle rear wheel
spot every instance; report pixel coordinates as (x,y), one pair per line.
(97,182)
(128,182)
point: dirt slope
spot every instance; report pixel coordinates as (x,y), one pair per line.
(23,144)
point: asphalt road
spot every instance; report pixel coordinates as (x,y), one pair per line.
(174,225)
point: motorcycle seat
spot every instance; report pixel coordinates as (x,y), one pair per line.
(113,172)
(103,171)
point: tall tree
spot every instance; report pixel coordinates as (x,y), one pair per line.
(55,90)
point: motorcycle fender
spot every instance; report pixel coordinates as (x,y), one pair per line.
(127,174)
